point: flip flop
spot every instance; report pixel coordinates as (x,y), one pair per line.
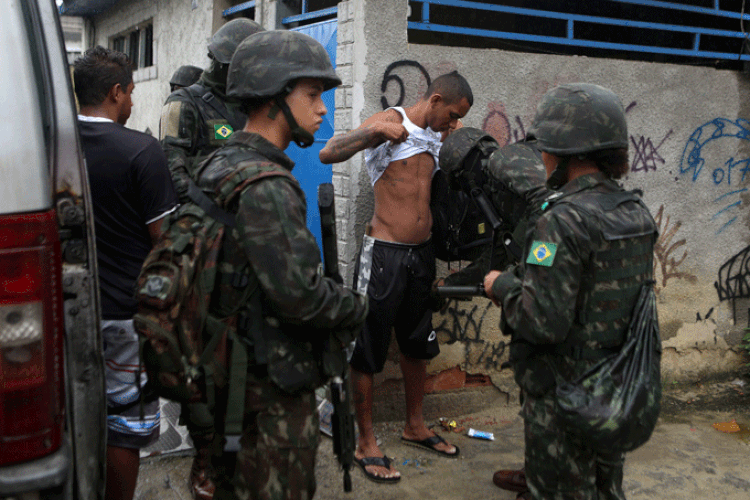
(380,462)
(429,445)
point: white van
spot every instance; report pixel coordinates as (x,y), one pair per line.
(52,412)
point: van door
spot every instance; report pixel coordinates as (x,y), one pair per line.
(50,341)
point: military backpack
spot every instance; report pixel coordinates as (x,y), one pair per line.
(183,345)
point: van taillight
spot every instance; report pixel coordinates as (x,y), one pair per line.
(31,337)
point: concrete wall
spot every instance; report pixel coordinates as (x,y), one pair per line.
(181,34)
(689,153)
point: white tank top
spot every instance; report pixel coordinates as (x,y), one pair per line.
(419,141)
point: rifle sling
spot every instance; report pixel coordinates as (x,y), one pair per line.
(198,197)
(210,99)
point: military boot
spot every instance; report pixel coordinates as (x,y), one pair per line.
(511,480)
(201,480)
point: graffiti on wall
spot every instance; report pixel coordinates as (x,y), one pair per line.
(464,324)
(734,277)
(667,263)
(405,82)
(734,280)
(645,155)
(727,176)
(503,129)
(393,76)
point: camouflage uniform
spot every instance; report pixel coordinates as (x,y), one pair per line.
(273,248)
(197,120)
(289,309)
(568,303)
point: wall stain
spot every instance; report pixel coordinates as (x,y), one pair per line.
(669,329)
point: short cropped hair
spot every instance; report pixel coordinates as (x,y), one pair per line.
(97,71)
(452,86)
(613,162)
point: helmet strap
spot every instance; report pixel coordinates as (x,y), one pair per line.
(273,110)
(300,136)
(559,176)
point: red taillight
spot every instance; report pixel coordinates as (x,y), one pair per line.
(31,336)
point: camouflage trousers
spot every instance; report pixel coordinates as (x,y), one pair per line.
(560,466)
(280,437)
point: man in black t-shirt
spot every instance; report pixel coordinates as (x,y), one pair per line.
(131,191)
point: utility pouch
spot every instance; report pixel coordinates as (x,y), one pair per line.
(291,363)
(531,369)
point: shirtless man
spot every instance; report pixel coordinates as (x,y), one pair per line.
(397,261)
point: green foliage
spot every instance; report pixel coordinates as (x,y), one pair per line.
(746,341)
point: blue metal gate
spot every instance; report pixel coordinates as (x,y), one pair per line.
(308,170)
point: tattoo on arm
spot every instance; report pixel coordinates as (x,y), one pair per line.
(342,147)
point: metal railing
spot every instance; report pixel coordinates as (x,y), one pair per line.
(571,38)
(308,16)
(238,8)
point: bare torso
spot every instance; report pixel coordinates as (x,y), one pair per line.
(402,201)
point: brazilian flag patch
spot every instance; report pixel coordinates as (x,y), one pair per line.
(222,131)
(542,254)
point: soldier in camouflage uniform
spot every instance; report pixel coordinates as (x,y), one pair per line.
(568,303)
(513,180)
(195,121)
(198,119)
(184,76)
(289,308)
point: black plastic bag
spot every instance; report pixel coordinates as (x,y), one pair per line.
(614,406)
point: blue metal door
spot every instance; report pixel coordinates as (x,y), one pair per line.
(308,169)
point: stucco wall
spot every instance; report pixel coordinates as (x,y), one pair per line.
(181,34)
(689,153)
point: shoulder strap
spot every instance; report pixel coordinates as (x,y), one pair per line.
(251,172)
(193,91)
(198,197)
(197,90)
(219,106)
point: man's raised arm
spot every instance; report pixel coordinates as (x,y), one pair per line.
(380,127)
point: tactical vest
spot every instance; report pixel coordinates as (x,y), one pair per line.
(612,281)
(217,122)
(275,349)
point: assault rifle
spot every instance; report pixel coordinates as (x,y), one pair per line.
(478,196)
(342,419)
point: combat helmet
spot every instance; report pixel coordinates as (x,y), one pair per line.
(266,65)
(576,119)
(457,148)
(185,76)
(224,42)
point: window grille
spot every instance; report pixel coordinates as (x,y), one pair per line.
(707,32)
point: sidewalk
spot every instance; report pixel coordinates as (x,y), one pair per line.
(687,457)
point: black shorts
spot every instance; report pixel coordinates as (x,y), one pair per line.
(397,278)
